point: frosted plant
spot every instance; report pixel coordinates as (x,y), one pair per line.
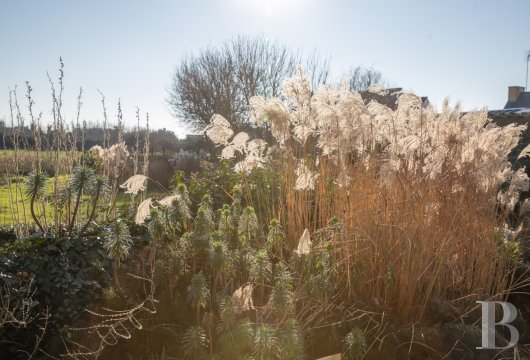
(143,211)
(242,299)
(304,244)
(134,184)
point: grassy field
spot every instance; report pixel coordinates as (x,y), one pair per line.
(15,205)
(26,159)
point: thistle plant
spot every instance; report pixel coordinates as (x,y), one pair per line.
(35,189)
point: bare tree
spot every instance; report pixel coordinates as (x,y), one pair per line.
(222,80)
(360,79)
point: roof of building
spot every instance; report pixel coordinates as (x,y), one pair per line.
(523,101)
(516,112)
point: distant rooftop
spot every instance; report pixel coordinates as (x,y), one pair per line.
(518,98)
(516,108)
(510,112)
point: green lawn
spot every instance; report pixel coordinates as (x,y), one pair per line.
(15,205)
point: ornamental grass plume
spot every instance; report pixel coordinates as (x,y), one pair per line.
(113,158)
(418,191)
(219,130)
(168,200)
(304,244)
(242,299)
(306,178)
(143,212)
(135,184)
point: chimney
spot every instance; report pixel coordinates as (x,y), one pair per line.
(513,92)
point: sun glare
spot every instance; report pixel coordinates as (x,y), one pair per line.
(271,7)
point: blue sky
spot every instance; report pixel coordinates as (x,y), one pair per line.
(466,50)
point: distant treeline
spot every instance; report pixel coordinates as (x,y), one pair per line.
(161,140)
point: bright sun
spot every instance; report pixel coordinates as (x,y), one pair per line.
(271,7)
